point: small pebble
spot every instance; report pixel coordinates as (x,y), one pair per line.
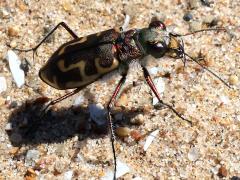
(233,80)
(122,101)
(97,113)
(8,127)
(138,120)
(235,178)
(136,135)
(14,64)
(25,65)
(194,4)
(67,6)
(30,174)
(13,31)
(13,44)
(222,172)
(3,84)
(206,3)
(4,13)
(122,131)
(193,154)
(31,156)
(13,104)
(188,16)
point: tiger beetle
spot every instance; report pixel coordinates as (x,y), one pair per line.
(83,60)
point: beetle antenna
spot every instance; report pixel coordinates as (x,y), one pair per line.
(202,30)
(214,74)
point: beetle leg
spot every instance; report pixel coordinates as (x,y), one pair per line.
(75,91)
(154,89)
(63,24)
(111,125)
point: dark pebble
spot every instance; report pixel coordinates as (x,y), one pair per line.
(25,65)
(13,104)
(206,3)
(188,16)
(235,178)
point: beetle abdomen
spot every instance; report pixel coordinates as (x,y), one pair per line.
(72,67)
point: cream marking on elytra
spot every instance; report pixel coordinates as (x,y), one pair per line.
(44,78)
(86,79)
(80,41)
(103,70)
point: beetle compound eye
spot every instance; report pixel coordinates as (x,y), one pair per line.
(157,24)
(158,45)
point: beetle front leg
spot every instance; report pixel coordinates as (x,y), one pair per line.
(154,89)
(110,122)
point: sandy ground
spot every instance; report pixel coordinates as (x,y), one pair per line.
(67,144)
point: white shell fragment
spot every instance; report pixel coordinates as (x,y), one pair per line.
(3,84)
(68,175)
(153,70)
(78,101)
(160,85)
(122,169)
(150,139)
(97,113)
(224,99)
(126,22)
(193,154)
(14,64)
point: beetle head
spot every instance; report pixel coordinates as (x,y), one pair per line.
(158,42)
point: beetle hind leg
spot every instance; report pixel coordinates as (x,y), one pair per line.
(63,24)
(53,102)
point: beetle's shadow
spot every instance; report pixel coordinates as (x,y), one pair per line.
(31,127)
